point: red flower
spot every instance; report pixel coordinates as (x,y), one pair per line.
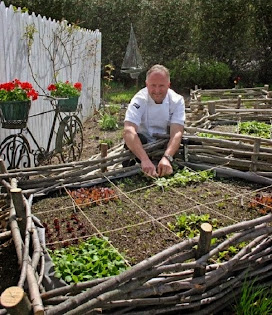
(17,91)
(65,89)
(9,86)
(78,86)
(52,87)
(32,94)
(25,85)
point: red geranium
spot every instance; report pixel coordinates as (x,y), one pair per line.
(17,91)
(65,89)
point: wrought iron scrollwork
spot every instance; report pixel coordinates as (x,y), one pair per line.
(15,151)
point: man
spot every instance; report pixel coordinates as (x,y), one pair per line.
(150,111)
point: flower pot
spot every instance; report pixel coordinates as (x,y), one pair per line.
(67,104)
(14,114)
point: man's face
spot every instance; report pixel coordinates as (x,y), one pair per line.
(157,85)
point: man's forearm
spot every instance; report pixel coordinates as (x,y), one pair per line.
(174,142)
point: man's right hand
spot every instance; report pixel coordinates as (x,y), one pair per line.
(149,168)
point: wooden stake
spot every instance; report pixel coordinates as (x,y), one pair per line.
(16,301)
(239,101)
(104,153)
(254,157)
(203,248)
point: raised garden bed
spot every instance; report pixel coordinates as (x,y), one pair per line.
(138,220)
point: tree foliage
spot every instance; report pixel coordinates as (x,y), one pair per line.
(234,32)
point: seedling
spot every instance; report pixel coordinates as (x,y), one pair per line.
(188,225)
(93,258)
(184,177)
(255,128)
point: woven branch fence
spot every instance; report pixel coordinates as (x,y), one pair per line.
(230,106)
(247,93)
(186,278)
(181,278)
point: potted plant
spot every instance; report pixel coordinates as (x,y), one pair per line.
(67,95)
(15,102)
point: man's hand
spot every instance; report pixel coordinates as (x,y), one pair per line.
(149,168)
(164,167)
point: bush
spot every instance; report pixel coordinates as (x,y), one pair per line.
(108,122)
(208,74)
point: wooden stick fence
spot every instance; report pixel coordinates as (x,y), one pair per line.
(179,278)
(232,93)
(233,108)
(236,151)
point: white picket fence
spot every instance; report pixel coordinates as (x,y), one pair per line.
(37,49)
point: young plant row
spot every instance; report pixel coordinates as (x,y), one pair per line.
(60,229)
(93,258)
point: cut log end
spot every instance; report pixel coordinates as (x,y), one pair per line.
(206,227)
(12,296)
(15,301)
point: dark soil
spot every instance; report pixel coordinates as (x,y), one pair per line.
(136,223)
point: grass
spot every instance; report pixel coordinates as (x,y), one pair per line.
(118,94)
(255,300)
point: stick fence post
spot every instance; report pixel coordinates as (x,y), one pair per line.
(15,300)
(104,153)
(203,247)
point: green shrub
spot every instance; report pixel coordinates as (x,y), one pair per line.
(208,74)
(108,122)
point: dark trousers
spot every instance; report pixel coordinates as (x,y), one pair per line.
(134,160)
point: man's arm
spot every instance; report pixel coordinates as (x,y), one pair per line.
(134,144)
(176,132)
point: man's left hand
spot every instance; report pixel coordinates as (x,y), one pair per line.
(164,167)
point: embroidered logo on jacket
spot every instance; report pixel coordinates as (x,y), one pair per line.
(136,105)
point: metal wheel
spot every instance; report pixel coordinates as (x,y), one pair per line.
(69,141)
(15,150)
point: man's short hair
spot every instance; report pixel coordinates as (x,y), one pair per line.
(158,68)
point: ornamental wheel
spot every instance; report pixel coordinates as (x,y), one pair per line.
(15,151)
(69,140)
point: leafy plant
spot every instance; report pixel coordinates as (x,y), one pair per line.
(108,122)
(108,77)
(97,195)
(255,128)
(262,203)
(188,225)
(94,258)
(255,300)
(65,89)
(184,177)
(56,227)
(17,90)
(227,254)
(113,109)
